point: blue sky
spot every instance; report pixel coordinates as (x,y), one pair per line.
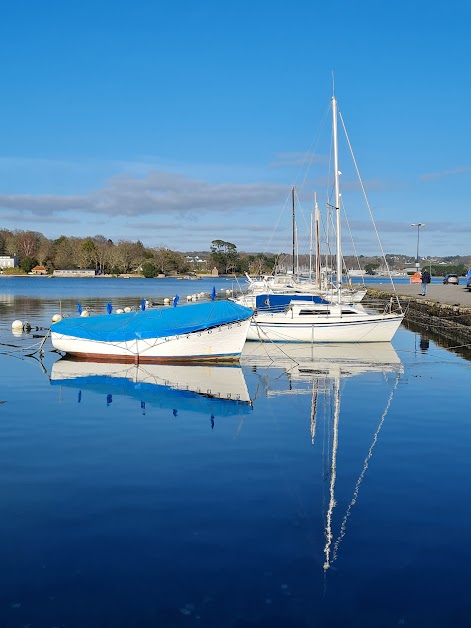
(179,123)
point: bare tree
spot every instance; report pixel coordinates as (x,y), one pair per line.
(45,252)
(103,253)
(28,243)
(128,256)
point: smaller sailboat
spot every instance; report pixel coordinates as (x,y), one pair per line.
(332,321)
(270,292)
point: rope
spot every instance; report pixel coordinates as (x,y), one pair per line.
(368,205)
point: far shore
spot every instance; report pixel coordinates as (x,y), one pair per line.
(121,276)
(191,276)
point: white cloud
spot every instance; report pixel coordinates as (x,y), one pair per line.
(157,192)
(434,176)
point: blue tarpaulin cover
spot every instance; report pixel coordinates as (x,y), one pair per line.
(276,301)
(153,323)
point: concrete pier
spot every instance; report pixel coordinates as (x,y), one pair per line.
(445,310)
(437,292)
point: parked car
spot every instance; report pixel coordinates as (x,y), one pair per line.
(468,284)
(453,279)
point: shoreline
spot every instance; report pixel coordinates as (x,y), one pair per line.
(444,311)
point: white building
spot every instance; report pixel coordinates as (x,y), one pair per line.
(8,261)
(74,272)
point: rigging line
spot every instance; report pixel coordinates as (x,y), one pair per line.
(17,348)
(309,158)
(367,202)
(310,155)
(362,474)
(352,240)
(275,226)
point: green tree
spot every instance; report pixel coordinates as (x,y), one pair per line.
(370,268)
(28,263)
(149,269)
(224,256)
(87,254)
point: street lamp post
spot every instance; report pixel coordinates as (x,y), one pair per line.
(418,225)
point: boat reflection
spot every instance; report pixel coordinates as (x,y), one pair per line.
(303,361)
(218,390)
(320,370)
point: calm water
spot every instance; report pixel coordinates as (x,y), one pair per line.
(339,495)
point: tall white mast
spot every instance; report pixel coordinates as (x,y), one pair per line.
(337,195)
(317,220)
(310,246)
(293,230)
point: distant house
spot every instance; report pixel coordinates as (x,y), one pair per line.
(8,261)
(195,259)
(74,272)
(39,270)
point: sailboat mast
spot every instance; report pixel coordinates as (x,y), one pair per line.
(293,226)
(318,243)
(337,194)
(310,244)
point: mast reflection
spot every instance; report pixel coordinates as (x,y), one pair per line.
(325,368)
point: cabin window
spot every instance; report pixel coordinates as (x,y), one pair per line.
(314,312)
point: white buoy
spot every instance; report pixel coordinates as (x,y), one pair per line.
(127,309)
(17,325)
(85,313)
(193,297)
(228,292)
(56,318)
(166,301)
(120,311)
(188,297)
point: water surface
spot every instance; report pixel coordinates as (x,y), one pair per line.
(300,490)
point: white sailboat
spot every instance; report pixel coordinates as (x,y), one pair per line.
(334,321)
(274,291)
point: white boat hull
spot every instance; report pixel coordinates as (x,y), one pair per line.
(281,327)
(222,343)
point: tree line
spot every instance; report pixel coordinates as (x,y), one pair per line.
(123,257)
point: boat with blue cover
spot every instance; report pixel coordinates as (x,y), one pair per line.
(215,331)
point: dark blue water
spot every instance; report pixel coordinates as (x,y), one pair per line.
(338,497)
